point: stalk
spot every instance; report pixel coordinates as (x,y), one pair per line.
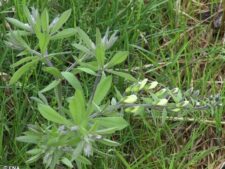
(222,27)
(58,89)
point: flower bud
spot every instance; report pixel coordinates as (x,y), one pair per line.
(142,84)
(185,103)
(130,99)
(88,149)
(176,110)
(153,85)
(162,102)
(128,90)
(128,110)
(113,101)
(175,90)
(74,128)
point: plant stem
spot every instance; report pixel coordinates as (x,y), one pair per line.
(97,80)
(222,27)
(58,89)
(147,106)
(156,107)
(206,121)
(84,58)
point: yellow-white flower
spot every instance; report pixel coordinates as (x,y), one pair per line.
(175,90)
(153,85)
(185,103)
(176,110)
(130,99)
(143,83)
(162,102)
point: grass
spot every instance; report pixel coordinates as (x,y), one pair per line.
(182,52)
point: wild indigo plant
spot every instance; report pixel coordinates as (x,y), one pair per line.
(77,128)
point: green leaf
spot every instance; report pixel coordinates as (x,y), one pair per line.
(118,94)
(52,85)
(44,39)
(21,71)
(28,139)
(78,150)
(64,34)
(82,48)
(67,162)
(106,131)
(38,27)
(109,142)
(43,98)
(111,122)
(21,33)
(34,158)
(53,71)
(23,53)
(63,18)
(37,100)
(18,40)
(124,75)
(102,89)
(90,65)
(100,55)
(164,116)
(50,114)
(118,58)
(19,24)
(98,37)
(100,50)
(28,15)
(34,151)
(73,81)
(87,70)
(83,160)
(77,108)
(23,60)
(85,38)
(44,20)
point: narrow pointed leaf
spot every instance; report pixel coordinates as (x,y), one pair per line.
(111,122)
(28,139)
(82,48)
(50,114)
(77,108)
(34,158)
(83,160)
(22,61)
(118,58)
(62,19)
(85,38)
(100,49)
(102,89)
(28,16)
(64,34)
(53,71)
(67,162)
(51,86)
(44,20)
(19,24)
(124,75)
(21,71)
(109,142)
(73,81)
(87,70)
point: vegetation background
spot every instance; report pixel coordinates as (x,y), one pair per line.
(170,41)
